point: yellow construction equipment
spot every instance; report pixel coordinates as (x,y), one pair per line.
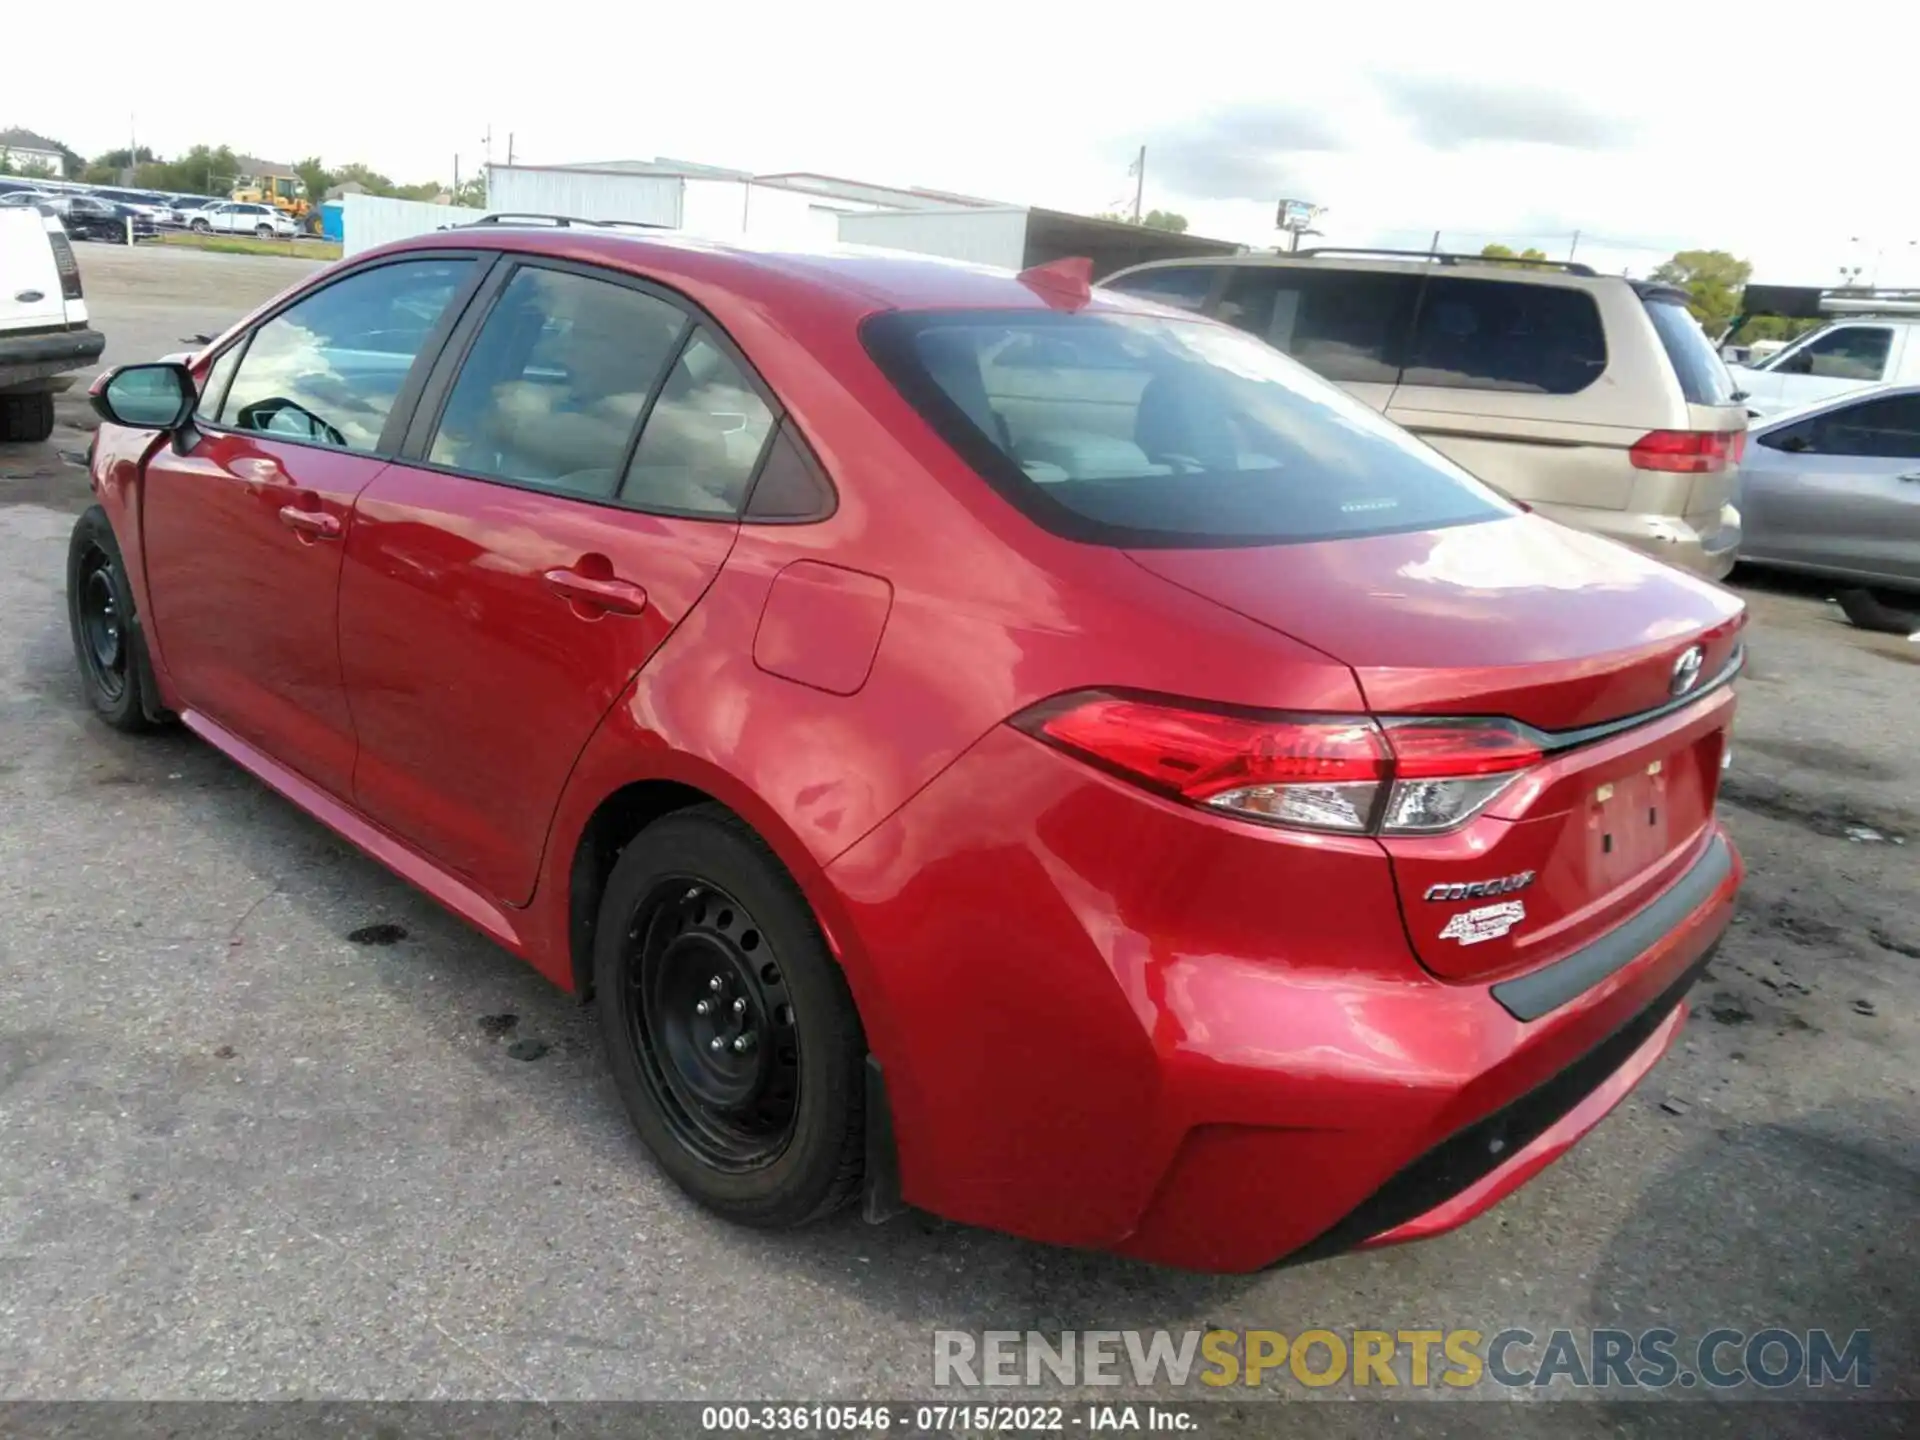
(284,192)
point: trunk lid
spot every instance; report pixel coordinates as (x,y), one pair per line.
(1578,638)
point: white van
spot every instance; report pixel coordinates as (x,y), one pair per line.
(43,321)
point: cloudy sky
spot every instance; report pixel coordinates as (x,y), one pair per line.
(1645,128)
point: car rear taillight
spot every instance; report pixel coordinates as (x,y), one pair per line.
(1688,452)
(1401,776)
(64,262)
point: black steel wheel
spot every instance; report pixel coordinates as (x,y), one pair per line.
(107,645)
(706,1008)
(729,1026)
(103,644)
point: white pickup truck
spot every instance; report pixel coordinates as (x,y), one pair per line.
(43,321)
(1871,339)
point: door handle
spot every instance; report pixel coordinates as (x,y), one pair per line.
(594,592)
(310,525)
(1913,475)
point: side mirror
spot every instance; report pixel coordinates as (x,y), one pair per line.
(144,397)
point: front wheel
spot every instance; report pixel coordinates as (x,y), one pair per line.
(265,232)
(202,227)
(733,1038)
(106,635)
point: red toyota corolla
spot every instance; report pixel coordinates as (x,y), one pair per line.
(985,743)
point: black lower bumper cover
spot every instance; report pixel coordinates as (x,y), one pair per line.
(79,346)
(1470,1154)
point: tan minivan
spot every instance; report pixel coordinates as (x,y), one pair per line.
(1595,399)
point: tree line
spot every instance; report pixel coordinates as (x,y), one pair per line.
(216,169)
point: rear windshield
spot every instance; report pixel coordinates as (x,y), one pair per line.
(1703,378)
(1133,430)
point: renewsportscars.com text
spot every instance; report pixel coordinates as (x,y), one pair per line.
(1771,1358)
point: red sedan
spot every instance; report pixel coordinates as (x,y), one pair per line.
(985,742)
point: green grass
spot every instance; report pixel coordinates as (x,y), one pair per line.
(252,245)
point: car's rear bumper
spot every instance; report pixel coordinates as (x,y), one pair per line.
(1107,1021)
(25,358)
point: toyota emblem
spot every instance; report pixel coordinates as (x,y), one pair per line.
(1686,670)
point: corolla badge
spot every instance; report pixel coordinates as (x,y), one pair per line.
(1686,670)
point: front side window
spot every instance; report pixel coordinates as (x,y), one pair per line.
(214,392)
(556,381)
(1852,352)
(1128,430)
(1505,335)
(328,369)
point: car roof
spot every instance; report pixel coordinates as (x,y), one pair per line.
(867,277)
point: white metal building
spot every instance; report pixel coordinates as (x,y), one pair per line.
(793,207)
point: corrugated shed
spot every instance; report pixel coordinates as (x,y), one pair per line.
(985,237)
(584,194)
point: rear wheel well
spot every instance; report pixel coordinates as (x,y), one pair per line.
(611,828)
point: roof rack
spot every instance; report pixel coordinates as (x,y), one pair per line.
(558,222)
(1815,302)
(1446,257)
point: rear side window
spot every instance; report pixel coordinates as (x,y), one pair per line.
(328,369)
(1703,378)
(1130,430)
(1499,335)
(554,385)
(1349,326)
(1184,286)
(702,439)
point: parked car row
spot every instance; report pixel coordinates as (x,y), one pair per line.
(85,217)
(102,213)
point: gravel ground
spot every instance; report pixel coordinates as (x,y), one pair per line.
(256,1149)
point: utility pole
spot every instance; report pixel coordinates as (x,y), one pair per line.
(509,147)
(1573,247)
(1140,182)
(487,140)
(456,176)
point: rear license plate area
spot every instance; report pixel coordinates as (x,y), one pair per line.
(1630,822)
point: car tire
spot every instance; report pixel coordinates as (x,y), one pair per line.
(26,418)
(733,1038)
(202,227)
(265,232)
(107,642)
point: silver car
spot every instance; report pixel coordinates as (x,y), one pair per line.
(1834,488)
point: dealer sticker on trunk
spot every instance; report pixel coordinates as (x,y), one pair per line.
(1489,922)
